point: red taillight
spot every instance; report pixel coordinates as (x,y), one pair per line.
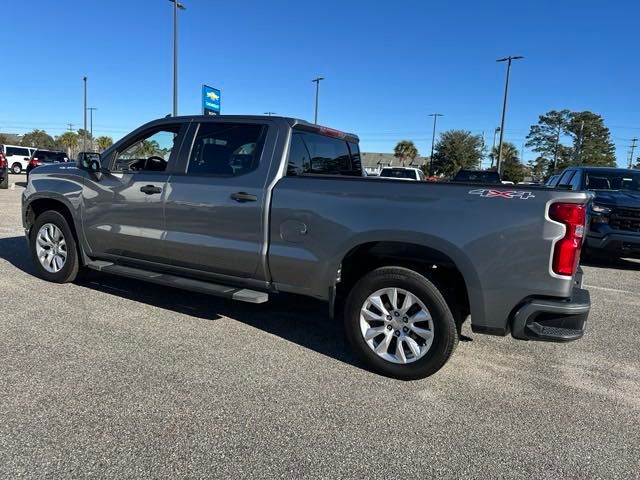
(566,253)
(34,162)
(3,161)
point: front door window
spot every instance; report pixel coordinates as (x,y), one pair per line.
(150,153)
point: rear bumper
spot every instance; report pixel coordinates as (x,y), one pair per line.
(620,244)
(553,320)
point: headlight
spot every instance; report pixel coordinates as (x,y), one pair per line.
(600,208)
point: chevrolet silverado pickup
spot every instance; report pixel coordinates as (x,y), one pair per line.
(245,207)
(613,215)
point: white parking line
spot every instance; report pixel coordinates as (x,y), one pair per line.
(608,289)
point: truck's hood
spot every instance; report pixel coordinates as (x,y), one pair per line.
(617,198)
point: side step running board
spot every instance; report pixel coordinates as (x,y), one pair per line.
(233,293)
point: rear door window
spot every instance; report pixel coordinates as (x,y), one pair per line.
(226,149)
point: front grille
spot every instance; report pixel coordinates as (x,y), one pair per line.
(626,219)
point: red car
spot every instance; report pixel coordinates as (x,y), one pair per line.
(4,171)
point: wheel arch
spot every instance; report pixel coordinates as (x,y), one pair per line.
(39,205)
(451,275)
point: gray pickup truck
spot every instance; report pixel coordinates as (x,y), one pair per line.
(244,207)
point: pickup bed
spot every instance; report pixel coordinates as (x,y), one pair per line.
(244,207)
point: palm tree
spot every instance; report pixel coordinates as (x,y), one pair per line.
(104,142)
(69,140)
(405,149)
(512,169)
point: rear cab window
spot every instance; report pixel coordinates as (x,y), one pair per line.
(46,156)
(565,178)
(479,176)
(316,154)
(398,173)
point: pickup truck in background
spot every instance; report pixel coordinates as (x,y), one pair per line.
(244,207)
(613,214)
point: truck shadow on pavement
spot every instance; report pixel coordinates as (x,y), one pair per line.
(300,320)
(618,264)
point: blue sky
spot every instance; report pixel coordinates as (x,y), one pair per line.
(387,64)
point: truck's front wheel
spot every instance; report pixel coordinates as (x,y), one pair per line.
(53,248)
(399,323)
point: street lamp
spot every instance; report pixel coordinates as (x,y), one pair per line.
(317,81)
(176,6)
(84,132)
(493,147)
(91,109)
(269,113)
(508,59)
(433,140)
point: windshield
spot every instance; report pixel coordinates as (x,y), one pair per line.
(398,173)
(613,180)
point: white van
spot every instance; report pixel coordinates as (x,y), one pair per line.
(17,157)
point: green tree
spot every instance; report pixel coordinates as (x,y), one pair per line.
(69,141)
(544,138)
(592,143)
(512,168)
(455,150)
(82,131)
(104,142)
(3,138)
(404,150)
(38,138)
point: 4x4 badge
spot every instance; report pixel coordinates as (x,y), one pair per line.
(503,194)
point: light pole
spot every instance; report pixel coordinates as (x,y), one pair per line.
(493,157)
(633,147)
(84,132)
(269,113)
(91,109)
(317,81)
(176,6)
(508,59)
(433,140)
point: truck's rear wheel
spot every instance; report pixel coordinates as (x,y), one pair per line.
(16,168)
(399,324)
(53,248)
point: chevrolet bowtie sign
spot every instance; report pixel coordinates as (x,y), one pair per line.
(210,100)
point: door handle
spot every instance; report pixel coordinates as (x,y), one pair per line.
(150,189)
(243,197)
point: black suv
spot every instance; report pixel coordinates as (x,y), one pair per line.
(613,217)
(41,157)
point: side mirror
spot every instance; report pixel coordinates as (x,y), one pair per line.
(96,169)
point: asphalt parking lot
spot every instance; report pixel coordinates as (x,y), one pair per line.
(116,378)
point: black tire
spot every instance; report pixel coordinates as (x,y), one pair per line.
(69,271)
(4,184)
(16,168)
(445,335)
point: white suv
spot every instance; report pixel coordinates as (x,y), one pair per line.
(17,157)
